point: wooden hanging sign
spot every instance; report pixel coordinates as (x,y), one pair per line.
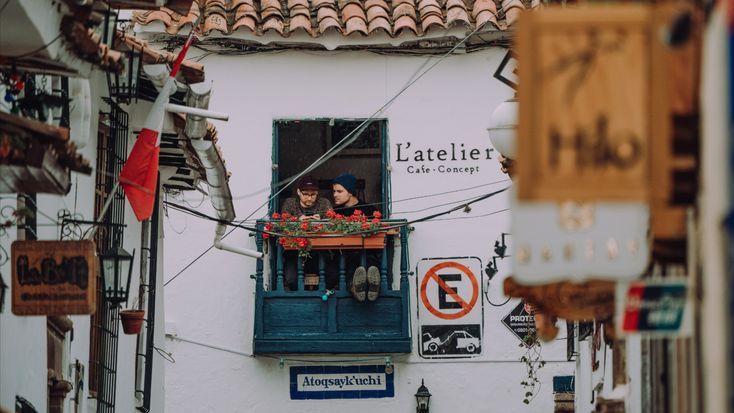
(53,277)
(592,99)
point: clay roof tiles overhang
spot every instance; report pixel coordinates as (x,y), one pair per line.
(359,20)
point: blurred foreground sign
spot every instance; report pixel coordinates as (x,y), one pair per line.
(53,277)
(592,100)
(652,307)
(592,94)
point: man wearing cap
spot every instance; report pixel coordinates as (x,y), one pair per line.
(308,204)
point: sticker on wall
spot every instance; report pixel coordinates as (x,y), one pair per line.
(521,324)
(653,307)
(341,382)
(450,308)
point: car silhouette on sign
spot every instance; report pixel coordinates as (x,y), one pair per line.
(464,341)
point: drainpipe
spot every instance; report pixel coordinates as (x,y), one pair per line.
(220,232)
(140,347)
(197,100)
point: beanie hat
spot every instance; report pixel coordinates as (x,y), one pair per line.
(308,183)
(348,181)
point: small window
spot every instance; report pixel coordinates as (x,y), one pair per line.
(299,143)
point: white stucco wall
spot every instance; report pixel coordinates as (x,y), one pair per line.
(23,338)
(212,302)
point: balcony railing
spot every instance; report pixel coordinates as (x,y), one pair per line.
(300,320)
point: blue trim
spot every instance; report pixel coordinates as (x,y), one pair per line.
(389,390)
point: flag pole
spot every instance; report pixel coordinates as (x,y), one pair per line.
(106,206)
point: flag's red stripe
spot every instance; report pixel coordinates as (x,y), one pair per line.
(139,176)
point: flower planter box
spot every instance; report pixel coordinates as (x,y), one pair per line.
(345,242)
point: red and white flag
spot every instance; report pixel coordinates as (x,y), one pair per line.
(139,176)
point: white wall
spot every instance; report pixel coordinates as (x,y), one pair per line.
(212,301)
(23,339)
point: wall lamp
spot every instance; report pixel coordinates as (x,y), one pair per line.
(422,398)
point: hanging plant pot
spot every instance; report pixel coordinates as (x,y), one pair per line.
(132,321)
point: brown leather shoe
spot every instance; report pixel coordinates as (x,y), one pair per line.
(373,283)
(359,284)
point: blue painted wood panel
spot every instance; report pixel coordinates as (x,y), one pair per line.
(301,322)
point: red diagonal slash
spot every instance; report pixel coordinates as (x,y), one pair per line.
(431,274)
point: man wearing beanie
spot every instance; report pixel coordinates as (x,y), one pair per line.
(365,284)
(308,204)
(345,201)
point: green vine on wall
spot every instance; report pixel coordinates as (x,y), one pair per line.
(533,363)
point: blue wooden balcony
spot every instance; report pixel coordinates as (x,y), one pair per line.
(297,320)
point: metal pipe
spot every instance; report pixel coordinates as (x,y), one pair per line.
(219,234)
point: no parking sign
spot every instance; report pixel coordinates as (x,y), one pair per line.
(450,307)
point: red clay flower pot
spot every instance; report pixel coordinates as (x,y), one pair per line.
(132,321)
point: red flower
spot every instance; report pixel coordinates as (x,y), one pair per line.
(365,226)
(302,242)
(283,241)
(285,215)
(269,226)
(339,217)
(357,212)
(377,214)
(276,215)
(319,226)
(376,221)
(266,236)
(304,225)
(364,218)
(330,213)
(293,219)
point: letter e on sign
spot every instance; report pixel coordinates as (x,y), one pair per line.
(449,289)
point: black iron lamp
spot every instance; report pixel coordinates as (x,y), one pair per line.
(422,398)
(117,266)
(123,85)
(3,290)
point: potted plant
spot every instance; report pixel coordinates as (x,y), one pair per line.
(337,232)
(132,319)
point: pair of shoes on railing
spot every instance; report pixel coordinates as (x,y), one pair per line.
(366,284)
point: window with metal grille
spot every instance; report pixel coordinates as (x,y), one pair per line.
(112,138)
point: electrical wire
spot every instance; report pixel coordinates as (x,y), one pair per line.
(387,228)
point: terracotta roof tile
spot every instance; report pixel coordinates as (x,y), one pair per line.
(485,11)
(376,3)
(246,21)
(431,21)
(379,23)
(376,12)
(301,22)
(512,9)
(343,16)
(405,22)
(215,21)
